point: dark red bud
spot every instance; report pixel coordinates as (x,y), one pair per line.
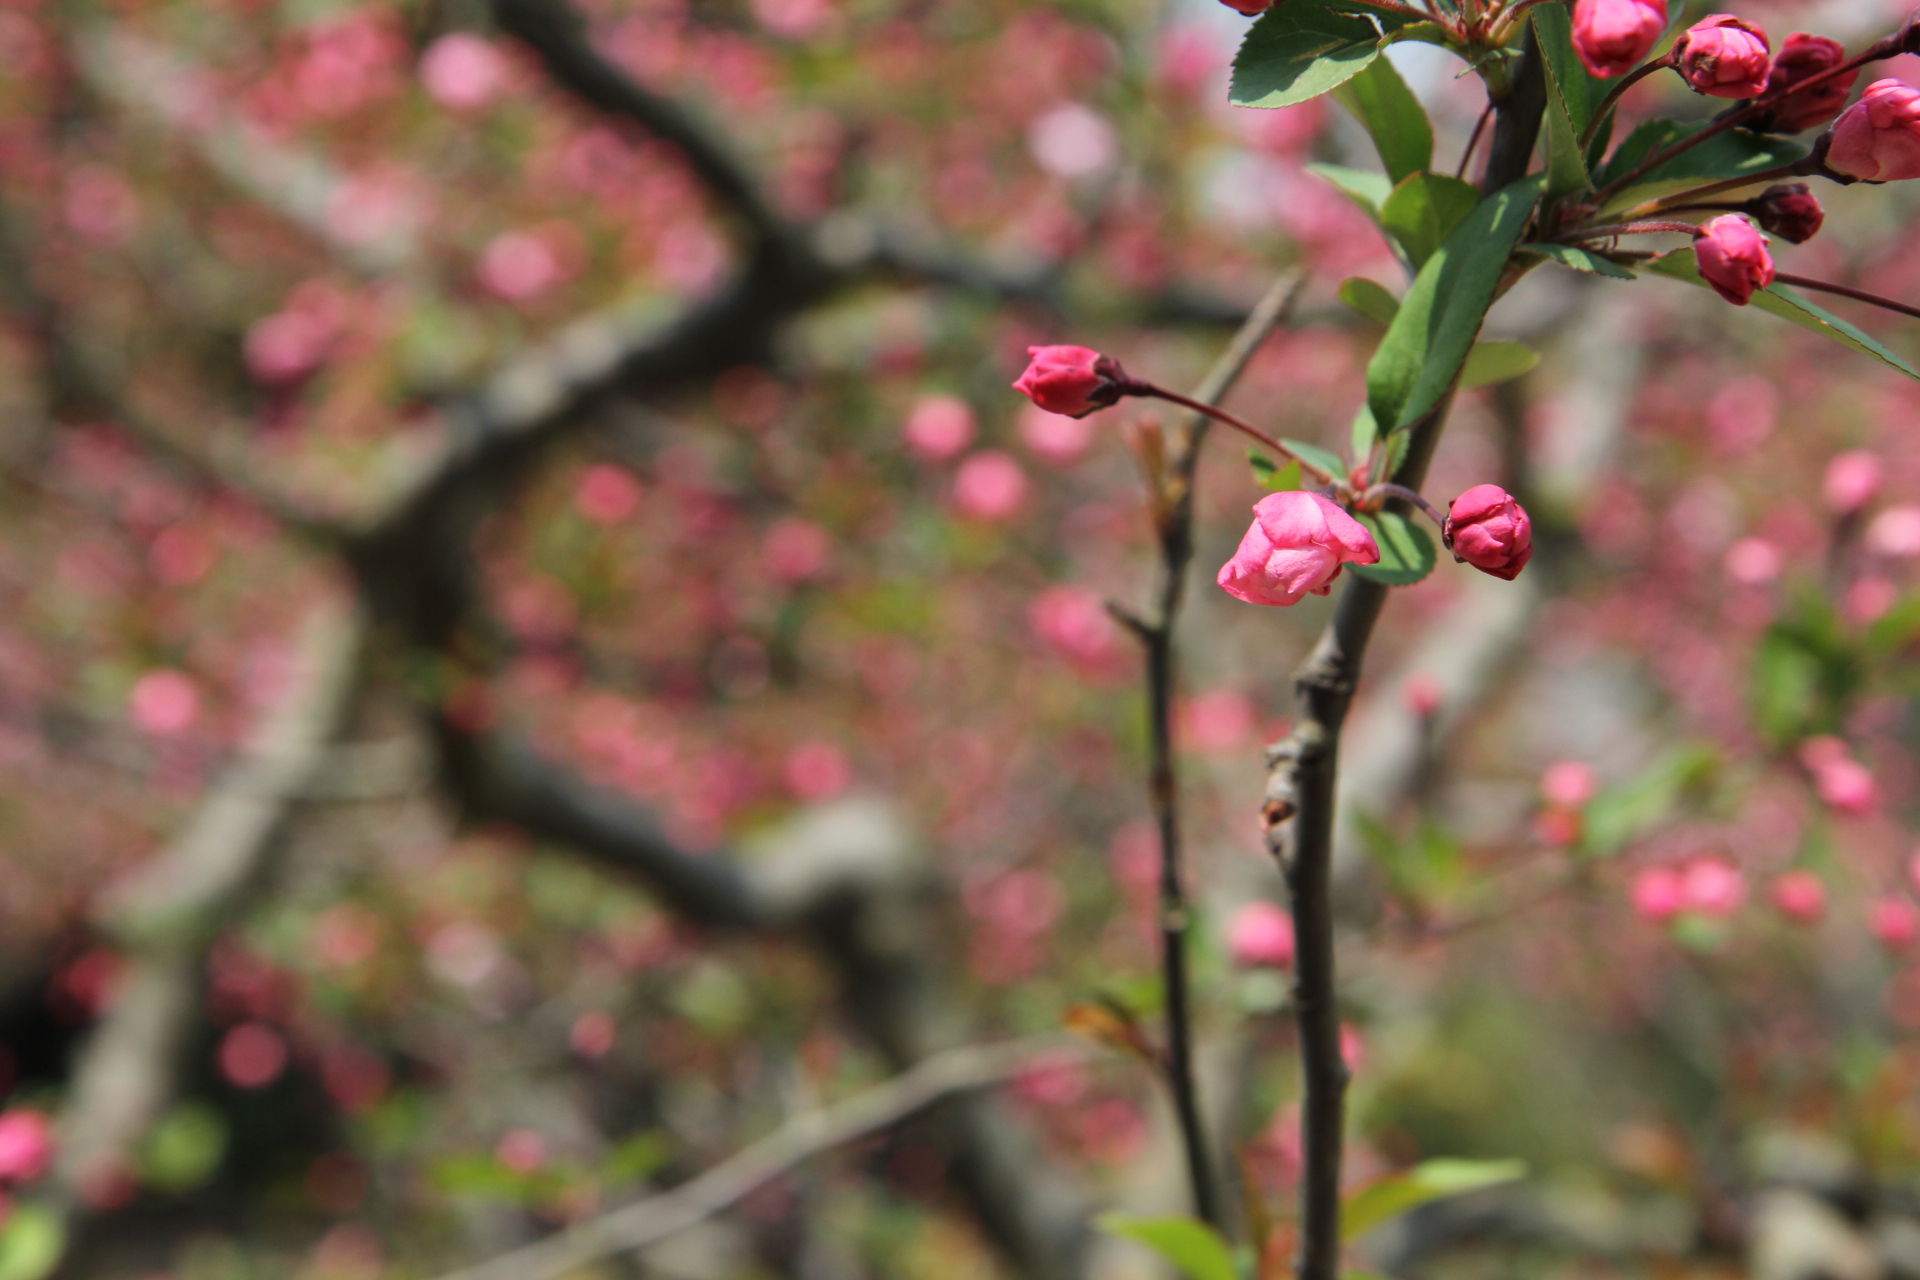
(1789,210)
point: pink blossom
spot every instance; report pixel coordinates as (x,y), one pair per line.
(1846,786)
(462,71)
(1056,1078)
(1753,562)
(1712,887)
(1053,437)
(796,550)
(1251,8)
(1802,57)
(1075,623)
(252,1056)
(793,19)
(1569,784)
(1895,532)
(1220,720)
(287,347)
(817,771)
(1068,380)
(1868,599)
(26,1146)
(1724,57)
(939,427)
(1895,922)
(1801,896)
(1852,481)
(1073,140)
(1791,211)
(1487,529)
(1733,258)
(989,486)
(519,266)
(100,206)
(1353,1046)
(1658,893)
(1025,902)
(1261,936)
(593,1034)
(521,1150)
(1612,36)
(1295,547)
(164,703)
(1878,137)
(607,494)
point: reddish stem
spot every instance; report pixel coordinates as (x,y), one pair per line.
(1221,415)
(1846,291)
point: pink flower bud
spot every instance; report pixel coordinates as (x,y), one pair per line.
(1852,481)
(1657,894)
(1789,210)
(1071,380)
(1724,57)
(1878,138)
(1712,887)
(1252,8)
(1569,784)
(1733,258)
(1802,56)
(1895,923)
(1847,787)
(1296,545)
(1261,936)
(1487,529)
(26,1146)
(1800,896)
(1612,36)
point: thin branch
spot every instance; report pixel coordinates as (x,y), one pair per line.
(557,35)
(1612,100)
(880,1108)
(1847,291)
(1173,519)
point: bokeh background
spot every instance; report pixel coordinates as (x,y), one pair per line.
(537,646)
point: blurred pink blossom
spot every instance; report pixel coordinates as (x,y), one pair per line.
(521,1150)
(1867,599)
(1219,720)
(990,485)
(1057,1078)
(1658,893)
(1895,532)
(817,771)
(26,1146)
(1053,437)
(1260,935)
(1742,414)
(1569,784)
(939,427)
(181,555)
(593,1034)
(164,703)
(1423,695)
(1895,922)
(463,72)
(607,494)
(349,61)
(1852,481)
(100,206)
(1801,896)
(796,550)
(793,19)
(1753,562)
(252,1056)
(1075,623)
(690,256)
(519,266)
(1073,140)
(1712,887)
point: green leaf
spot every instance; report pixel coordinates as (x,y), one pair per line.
(1428,341)
(1622,813)
(1370,298)
(1274,478)
(1187,1243)
(1566,165)
(1789,304)
(31,1244)
(1382,1201)
(1733,154)
(1368,190)
(1579,259)
(1304,48)
(1424,210)
(1579,92)
(1491,363)
(1364,433)
(1407,554)
(1393,117)
(185,1148)
(1326,459)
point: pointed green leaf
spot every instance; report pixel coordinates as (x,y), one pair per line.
(1579,91)
(31,1244)
(1370,298)
(1566,163)
(1304,48)
(1407,554)
(1381,1201)
(1276,479)
(1579,259)
(1733,154)
(1790,305)
(1192,1246)
(1491,363)
(1368,190)
(1423,211)
(1393,117)
(1364,433)
(1429,339)
(1315,456)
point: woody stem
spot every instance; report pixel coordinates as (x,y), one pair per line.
(1680,199)
(1845,291)
(1405,494)
(1221,415)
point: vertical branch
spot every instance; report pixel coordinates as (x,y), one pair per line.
(1299,805)
(1173,525)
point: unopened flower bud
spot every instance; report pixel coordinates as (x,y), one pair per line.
(1733,258)
(1073,381)
(1487,529)
(1295,547)
(1612,36)
(1803,57)
(1789,210)
(1724,57)
(1878,138)
(1252,8)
